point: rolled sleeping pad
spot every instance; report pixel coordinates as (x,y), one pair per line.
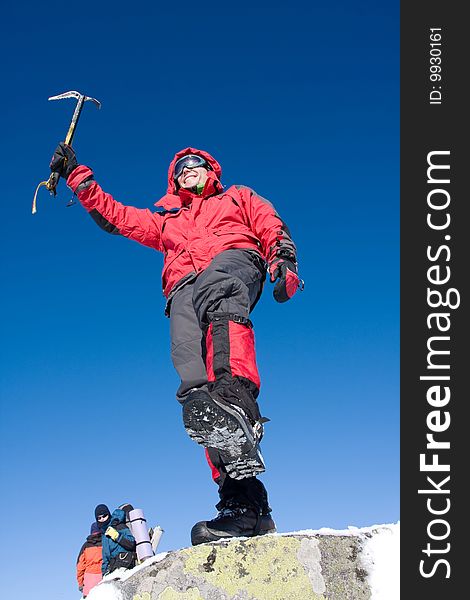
(140,531)
(156,536)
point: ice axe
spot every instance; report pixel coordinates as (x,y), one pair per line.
(51,183)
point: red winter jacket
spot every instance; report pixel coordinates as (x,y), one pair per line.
(190,229)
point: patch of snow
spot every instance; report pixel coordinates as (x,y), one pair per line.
(351,530)
(105,591)
(381,559)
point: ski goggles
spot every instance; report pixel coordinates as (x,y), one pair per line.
(190,161)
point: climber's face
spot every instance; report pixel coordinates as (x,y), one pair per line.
(192,176)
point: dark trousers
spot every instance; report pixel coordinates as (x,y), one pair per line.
(212,343)
(230,285)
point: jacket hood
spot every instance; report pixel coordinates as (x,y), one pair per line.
(118,516)
(176,198)
(217,169)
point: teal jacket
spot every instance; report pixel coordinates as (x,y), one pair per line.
(124,543)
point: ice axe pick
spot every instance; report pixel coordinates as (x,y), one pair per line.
(51,183)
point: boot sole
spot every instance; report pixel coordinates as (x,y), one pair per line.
(214,425)
(201,534)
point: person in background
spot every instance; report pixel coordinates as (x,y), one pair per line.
(102,516)
(89,561)
(118,544)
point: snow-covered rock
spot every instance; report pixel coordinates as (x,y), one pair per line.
(326,564)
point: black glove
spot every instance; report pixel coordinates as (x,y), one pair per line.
(285,271)
(63,160)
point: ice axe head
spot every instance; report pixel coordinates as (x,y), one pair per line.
(77,95)
(81,98)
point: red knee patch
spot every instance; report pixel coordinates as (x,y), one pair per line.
(230,350)
(242,352)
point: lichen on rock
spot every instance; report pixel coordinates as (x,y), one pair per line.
(267,568)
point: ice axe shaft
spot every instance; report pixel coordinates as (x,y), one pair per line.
(51,183)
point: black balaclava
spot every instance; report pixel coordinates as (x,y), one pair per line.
(101,510)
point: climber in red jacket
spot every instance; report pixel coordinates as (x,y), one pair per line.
(217,246)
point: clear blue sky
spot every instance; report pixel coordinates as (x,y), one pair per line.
(298,101)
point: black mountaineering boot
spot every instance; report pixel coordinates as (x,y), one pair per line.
(233,520)
(214,423)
